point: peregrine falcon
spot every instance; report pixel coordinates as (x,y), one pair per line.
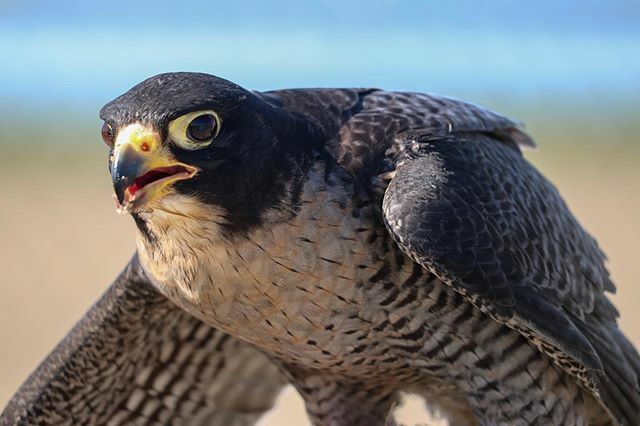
(355,243)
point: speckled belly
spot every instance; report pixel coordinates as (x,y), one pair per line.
(313,288)
(328,290)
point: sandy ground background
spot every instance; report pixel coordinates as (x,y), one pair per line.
(61,242)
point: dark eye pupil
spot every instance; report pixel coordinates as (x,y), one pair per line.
(107,134)
(202,128)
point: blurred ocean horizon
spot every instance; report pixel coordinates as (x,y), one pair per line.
(75,56)
(57,64)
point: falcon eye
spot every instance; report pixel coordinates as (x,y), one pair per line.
(202,128)
(194,130)
(107,134)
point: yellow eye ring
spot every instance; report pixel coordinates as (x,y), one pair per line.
(195,130)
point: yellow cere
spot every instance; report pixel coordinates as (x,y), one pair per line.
(141,138)
(146,143)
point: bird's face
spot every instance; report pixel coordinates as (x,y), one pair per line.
(144,168)
(198,137)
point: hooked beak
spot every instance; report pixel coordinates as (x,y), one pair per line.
(142,170)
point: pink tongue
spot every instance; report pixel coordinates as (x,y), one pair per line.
(131,190)
(150,177)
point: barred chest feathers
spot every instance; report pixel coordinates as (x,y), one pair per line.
(312,266)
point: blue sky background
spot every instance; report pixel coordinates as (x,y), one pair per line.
(77,55)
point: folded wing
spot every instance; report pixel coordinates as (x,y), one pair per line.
(470,209)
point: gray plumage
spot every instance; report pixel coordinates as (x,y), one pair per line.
(368,243)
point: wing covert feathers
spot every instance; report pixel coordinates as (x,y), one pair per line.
(136,359)
(463,202)
(480,217)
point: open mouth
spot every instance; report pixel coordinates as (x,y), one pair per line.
(155,176)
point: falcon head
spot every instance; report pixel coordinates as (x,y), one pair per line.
(180,140)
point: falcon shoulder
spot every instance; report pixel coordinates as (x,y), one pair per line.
(469,208)
(135,358)
(460,200)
